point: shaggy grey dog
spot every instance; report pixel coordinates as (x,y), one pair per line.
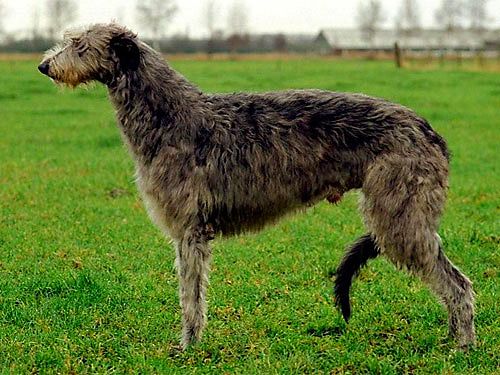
(224,164)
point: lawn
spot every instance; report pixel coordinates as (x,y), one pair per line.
(87,283)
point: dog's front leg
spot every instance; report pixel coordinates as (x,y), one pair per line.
(193,264)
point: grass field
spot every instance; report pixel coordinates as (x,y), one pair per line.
(87,283)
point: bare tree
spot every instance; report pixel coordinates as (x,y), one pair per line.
(237,22)
(209,15)
(4,37)
(154,16)
(35,24)
(2,15)
(408,18)
(449,14)
(370,18)
(237,25)
(280,43)
(60,13)
(476,14)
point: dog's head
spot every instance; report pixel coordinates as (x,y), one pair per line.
(101,53)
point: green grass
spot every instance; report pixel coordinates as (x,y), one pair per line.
(87,283)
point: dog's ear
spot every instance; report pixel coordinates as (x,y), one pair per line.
(126,51)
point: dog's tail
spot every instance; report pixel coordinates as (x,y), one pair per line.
(354,259)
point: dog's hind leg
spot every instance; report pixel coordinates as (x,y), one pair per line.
(193,265)
(403,201)
(455,291)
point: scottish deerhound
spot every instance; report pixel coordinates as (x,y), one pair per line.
(224,164)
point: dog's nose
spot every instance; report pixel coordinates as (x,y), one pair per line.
(44,67)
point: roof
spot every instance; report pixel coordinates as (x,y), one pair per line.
(418,39)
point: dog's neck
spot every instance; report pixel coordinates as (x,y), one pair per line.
(152,103)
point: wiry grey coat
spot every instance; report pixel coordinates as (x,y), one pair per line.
(209,164)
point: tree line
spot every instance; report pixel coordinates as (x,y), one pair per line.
(451,15)
(155,16)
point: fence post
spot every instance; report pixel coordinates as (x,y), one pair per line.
(397,55)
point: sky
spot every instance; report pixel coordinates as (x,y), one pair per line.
(289,16)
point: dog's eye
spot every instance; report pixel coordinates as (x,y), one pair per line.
(80,47)
(81,52)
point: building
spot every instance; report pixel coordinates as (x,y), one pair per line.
(340,40)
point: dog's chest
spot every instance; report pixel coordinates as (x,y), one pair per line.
(154,204)
(168,199)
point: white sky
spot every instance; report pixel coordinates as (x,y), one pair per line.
(289,16)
